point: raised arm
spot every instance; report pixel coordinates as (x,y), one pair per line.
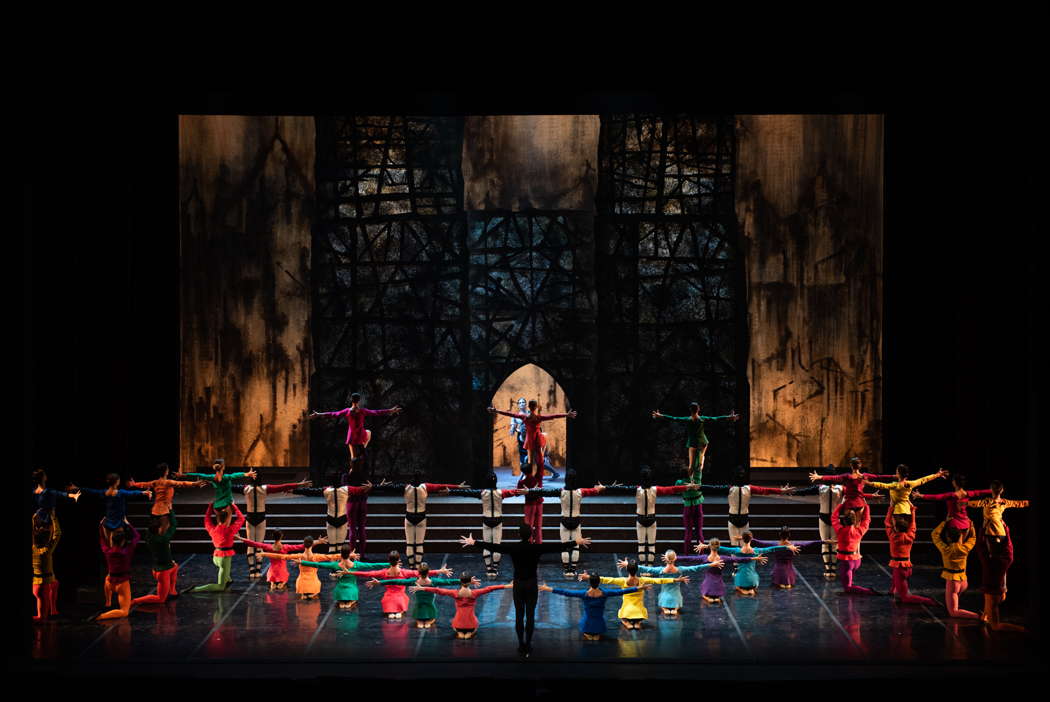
(732,416)
(675,489)
(337,413)
(716,489)
(440,591)
(469,493)
(546,417)
(210,477)
(760,490)
(269,548)
(940,497)
(881,486)
(568,593)
(835,523)
(970,540)
(486,590)
(56,533)
(658,415)
(209,517)
(516,415)
(865,519)
(238,517)
(172,525)
(283,487)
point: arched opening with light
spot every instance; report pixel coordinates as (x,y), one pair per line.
(531,383)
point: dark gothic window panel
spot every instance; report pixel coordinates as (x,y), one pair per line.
(667,252)
(390,271)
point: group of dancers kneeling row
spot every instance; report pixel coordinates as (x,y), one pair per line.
(955,538)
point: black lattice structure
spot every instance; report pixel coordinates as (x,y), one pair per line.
(673,323)
(533,300)
(390,271)
(422,304)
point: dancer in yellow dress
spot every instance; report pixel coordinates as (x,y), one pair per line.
(633,612)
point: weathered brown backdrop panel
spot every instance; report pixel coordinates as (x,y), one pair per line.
(246,193)
(809,201)
(521,162)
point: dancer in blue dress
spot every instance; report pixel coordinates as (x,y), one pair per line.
(592,625)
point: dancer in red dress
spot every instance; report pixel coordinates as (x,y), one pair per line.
(466,621)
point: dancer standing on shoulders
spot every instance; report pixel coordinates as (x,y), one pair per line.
(115,500)
(852,482)
(222,482)
(517,430)
(525,556)
(695,439)
(45,498)
(956,501)
(829,496)
(533,477)
(491,517)
(465,622)
(995,550)
(901,489)
(592,624)
(163,489)
(357,437)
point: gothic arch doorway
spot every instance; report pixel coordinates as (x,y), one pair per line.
(531,383)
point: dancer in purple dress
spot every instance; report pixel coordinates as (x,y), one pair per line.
(784,559)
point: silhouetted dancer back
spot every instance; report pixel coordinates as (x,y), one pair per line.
(526,558)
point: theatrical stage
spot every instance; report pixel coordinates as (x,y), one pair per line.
(413,295)
(808,630)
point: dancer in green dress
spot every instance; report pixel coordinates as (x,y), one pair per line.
(696,445)
(424,611)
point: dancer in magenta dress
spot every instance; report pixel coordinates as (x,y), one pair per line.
(357,437)
(852,483)
(956,501)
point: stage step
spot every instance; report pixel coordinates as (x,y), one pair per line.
(608,521)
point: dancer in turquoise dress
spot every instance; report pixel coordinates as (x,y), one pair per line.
(670,597)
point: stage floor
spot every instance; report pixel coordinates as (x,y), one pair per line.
(811,625)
